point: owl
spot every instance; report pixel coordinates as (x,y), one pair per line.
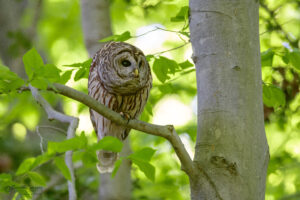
(120,78)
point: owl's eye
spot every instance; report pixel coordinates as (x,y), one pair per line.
(126,63)
(140,64)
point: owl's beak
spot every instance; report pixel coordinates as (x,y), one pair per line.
(136,73)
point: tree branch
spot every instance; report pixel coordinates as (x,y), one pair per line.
(168,132)
(73,121)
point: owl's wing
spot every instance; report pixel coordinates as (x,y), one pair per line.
(105,127)
(102,126)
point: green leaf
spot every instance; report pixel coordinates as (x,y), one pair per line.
(294,58)
(149,57)
(41,159)
(51,72)
(85,64)
(186,64)
(144,154)
(182,15)
(116,168)
(267,58)
(40,83)
(5,177)
(67,145)
(6,183)
(61,165)
(187,71)
(166,88)
(80,74)
(89,158)
(285,57)
(9,80)
(24,191)
(36,178)
(32,62)
(162,67)
(273,96)
(108,143)
(25,166)
(141,158)
(146,168)
(123,37)
(65,77)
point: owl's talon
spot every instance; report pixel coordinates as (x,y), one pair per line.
(125,115)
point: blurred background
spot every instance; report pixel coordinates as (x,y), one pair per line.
(54,28)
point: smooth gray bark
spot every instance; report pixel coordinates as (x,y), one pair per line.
(96,24)
(231,148)
(11,13)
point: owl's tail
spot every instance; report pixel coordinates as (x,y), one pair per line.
(107,161)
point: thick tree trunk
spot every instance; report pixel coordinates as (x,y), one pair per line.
(231,150)
(96,25)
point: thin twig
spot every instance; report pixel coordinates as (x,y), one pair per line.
(136,36)
(73,121)
(41,138)
(161,52)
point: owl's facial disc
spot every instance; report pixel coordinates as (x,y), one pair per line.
(127,66)
(128,72)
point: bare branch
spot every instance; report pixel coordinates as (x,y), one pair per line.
(73,121)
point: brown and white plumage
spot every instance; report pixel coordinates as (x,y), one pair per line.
(119,78)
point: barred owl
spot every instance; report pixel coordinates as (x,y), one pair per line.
(120,78)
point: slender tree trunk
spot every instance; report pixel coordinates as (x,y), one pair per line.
(11,13)
(231,154)
(96,25)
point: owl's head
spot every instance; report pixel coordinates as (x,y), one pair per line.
(122,68)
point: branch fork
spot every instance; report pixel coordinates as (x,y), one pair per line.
(73,121)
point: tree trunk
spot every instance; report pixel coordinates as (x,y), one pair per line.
(96,25)
(231,154)
(11,13)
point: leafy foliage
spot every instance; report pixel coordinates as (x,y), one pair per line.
(32,62)
(108,143)
(37,179)
(182,15)
(164,68)
(67,145)
(273,96)
(83,70)
(141,158)
(61,165)
(121,38)
(9,80)
(294,58)
(267,58)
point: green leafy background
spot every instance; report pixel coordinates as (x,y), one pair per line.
(57,54)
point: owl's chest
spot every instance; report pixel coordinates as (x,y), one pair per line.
(130,104)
